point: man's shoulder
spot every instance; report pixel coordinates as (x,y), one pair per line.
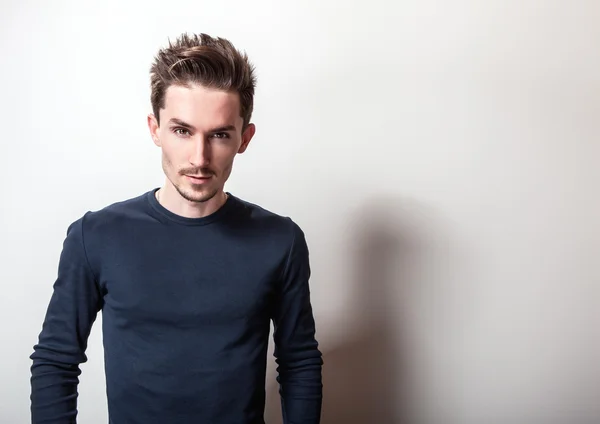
(115,212)
(257,211)
(268,219)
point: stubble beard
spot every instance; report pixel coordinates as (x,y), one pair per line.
(200,196)
(203,194)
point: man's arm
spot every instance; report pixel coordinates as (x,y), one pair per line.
(296,349)
(63,339)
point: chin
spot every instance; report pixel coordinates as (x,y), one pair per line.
(201,195)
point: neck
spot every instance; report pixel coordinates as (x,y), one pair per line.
(171,200)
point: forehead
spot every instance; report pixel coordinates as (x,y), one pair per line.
(201,106)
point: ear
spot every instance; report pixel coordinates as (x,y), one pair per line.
(153,127)
(246,137)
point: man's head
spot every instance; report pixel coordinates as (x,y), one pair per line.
(202,99)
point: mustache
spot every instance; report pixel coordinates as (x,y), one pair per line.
(197,171)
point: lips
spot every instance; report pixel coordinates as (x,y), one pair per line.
(198,179)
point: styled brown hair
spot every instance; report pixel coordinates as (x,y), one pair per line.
(207,61)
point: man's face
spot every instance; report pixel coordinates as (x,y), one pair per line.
(200,133)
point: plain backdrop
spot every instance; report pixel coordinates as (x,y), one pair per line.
(441,156)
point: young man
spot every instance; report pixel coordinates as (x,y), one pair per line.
(187,276)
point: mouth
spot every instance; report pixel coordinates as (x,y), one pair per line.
(198,179)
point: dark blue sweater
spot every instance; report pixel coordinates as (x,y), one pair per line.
(186,307)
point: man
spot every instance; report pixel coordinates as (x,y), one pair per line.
(187,276)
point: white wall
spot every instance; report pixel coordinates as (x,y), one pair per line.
(442,157)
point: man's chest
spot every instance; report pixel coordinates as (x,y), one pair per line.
(188,289)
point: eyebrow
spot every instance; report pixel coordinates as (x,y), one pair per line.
(191,127)
(224,129)
(181,123)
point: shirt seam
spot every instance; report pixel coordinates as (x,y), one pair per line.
(289,254)
(85,254)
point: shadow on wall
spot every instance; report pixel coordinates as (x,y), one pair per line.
(365,374)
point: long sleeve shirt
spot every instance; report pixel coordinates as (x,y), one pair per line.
(186,308)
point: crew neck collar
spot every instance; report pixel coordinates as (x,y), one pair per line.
(226,207)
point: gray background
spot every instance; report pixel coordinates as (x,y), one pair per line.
(441,156)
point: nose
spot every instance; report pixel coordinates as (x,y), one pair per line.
(200,155)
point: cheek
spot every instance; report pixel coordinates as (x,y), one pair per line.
(169,159)
(172,152)
(224,159)
(166,155)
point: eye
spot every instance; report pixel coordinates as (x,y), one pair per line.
(181,131)
(221,135)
